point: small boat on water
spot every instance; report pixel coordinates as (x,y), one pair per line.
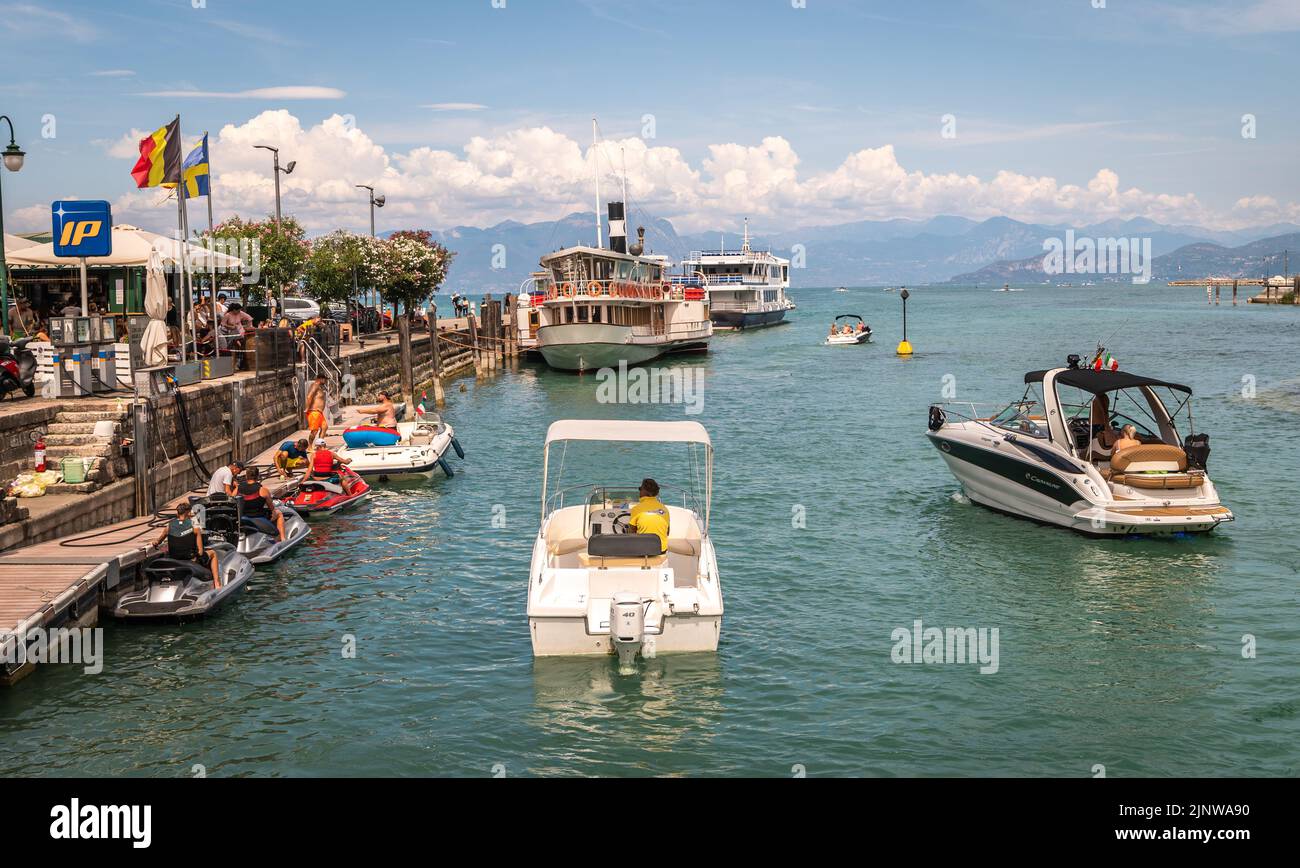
(1049,457)
(595,585)
(841,289)
(746,287)
(413,451)
(859,334)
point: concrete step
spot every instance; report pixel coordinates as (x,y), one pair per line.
(80,439)
(100,450)
(79,488)
(91,416)
(77,427)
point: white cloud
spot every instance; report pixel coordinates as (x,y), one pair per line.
(454,106)
(537,173)
(29,21)
(1237,18)
(289,92)
(113,73)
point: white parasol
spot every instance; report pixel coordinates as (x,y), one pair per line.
(153,344)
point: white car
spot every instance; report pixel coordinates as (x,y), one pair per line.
(301,309)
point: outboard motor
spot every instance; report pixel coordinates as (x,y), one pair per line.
(626,628)
(1197,447)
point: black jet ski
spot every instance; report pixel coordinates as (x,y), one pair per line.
(254,537)
(173,590)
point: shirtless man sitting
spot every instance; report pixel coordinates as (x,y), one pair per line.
(385,412)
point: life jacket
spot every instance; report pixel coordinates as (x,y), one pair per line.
(322,461)
(182,544)
(254,503)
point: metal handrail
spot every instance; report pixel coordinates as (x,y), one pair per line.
(316,361)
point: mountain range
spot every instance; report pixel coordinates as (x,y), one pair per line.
(876,252)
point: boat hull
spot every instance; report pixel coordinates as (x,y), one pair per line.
(741,320)
(589,347)
(1000,481)
(568,636)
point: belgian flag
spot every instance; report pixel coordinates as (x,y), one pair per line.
(160,157)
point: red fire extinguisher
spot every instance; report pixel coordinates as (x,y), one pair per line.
(40,455)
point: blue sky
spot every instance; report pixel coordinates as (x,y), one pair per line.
(834,110)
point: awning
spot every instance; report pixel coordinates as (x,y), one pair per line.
(131,248)
(1101,381)
(620,431)
(14,243)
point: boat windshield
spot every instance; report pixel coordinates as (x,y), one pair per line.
(1023,417)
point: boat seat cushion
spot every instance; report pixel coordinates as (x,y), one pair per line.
(1149,456)
(1192,479)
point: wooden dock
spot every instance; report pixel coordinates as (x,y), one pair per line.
(58,584)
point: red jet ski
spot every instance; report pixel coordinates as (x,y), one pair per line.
(321,497)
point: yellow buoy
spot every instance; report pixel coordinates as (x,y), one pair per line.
(904,348)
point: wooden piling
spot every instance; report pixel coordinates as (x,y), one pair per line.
(1234,293)
(435,359)
(473,341)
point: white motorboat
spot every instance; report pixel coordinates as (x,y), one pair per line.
(418,452)
(860,334)
(1045,456)
(595,586)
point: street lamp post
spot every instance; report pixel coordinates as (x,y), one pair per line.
(13,160)
(375,202)
(275,172)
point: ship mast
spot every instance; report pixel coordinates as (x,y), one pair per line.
(595,162)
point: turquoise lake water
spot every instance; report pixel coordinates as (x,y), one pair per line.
(1120,653)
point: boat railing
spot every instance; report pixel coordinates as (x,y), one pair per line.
(647,331)
(978,412)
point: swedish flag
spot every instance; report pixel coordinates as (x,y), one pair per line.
(195,171)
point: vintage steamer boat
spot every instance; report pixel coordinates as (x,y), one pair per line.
(599,307)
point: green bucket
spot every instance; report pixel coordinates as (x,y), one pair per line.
(74,470)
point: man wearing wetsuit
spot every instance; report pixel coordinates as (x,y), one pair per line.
(650,515)
(256,500)
(185,542)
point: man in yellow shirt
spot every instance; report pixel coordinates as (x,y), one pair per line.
(650,515)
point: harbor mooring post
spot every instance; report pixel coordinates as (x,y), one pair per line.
(473,342)
(435,366)
(512,326)
(1234,293)
(237,421)
(141,456)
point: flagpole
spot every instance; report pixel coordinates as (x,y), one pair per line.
(212,256)
(182,229)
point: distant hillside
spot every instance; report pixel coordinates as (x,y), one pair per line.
(899,251)
(1262,258)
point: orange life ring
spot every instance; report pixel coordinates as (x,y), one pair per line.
(566,290)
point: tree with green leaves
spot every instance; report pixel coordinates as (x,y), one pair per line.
(282,250)
(336,266)
(407,268)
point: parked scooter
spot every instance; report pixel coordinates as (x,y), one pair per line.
(17,368)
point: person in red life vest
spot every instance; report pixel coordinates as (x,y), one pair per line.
(325,464)
(256,500)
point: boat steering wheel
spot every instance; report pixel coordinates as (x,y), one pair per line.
(623,522)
